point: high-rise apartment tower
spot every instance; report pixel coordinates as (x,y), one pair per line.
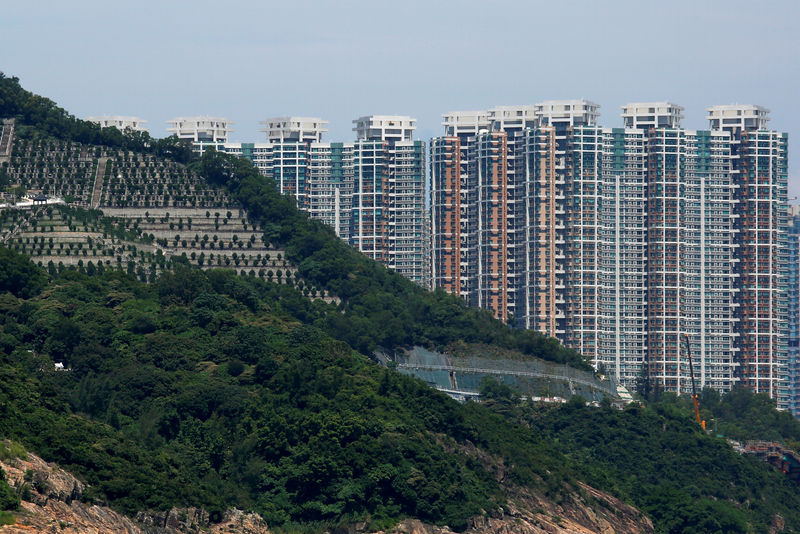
(621,241)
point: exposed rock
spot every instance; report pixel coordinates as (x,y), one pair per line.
(47,480)
(53,506)
(195,521)
(240,522)
(59,517)
(174,520)
(527,513)
(778,524)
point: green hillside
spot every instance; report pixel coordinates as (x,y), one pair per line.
(206,389)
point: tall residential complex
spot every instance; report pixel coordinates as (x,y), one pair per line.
(371,191)
(620,241)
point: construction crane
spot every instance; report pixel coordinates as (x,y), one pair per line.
(694,387)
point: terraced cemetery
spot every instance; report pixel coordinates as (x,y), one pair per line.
(130,211)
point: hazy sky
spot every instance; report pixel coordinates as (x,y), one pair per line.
(342,59)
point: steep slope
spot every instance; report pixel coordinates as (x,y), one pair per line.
(51,502)
(204,390)
(156,208)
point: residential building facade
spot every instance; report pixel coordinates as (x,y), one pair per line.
(371,191)
(759,167)
(622,242)
(793,311)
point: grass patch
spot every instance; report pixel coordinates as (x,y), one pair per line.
(7,518)
(10,450)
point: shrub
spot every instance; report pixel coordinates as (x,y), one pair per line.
(8,497)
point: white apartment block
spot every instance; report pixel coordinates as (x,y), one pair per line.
(759,170)
(388,203)
(330,177)
(623,339)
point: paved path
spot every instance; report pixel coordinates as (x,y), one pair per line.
(6,140)
(99,177)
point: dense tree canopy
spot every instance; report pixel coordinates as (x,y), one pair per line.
(206,389)
(743,415)
(214,390)
(18,275)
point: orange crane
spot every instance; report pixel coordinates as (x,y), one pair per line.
(694,387)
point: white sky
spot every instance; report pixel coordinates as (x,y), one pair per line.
(342,59)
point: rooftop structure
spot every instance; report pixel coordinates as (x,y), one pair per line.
(385,128)
(647,115)
(461,123)
(202,129)
(735,117)
(506,118)
(120,122)
(294,129)
(567,112)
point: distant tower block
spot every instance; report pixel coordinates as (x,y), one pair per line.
(294,129)
(649,115)
(121,122)
(761,174)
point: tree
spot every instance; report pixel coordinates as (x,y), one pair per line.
(8,497)
(492,389)
(18,275)
(643,384)
(4,178)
